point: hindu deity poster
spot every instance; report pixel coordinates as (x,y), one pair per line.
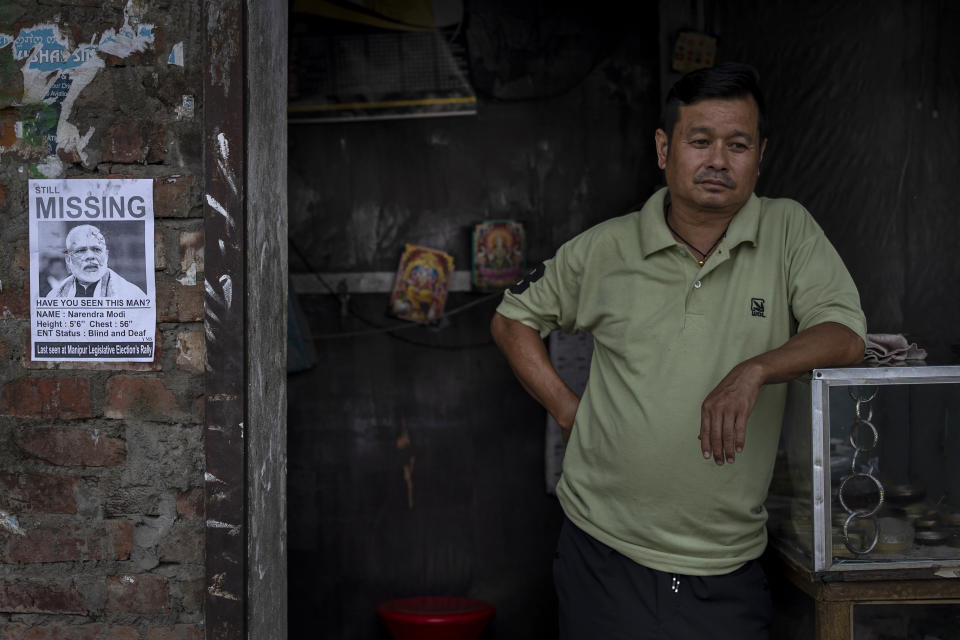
(423,279)
(498,254)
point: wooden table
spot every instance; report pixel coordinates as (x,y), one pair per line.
(836,593)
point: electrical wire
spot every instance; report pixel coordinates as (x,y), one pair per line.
(406,325)
(380,329)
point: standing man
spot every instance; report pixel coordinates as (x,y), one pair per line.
(700,305)
(90,277)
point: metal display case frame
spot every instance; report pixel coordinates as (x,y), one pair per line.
(821,382)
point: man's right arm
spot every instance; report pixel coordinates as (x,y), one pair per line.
(529,360)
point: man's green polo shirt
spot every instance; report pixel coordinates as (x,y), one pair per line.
(666,331)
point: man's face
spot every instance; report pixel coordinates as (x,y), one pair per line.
(87,257)
(713,160)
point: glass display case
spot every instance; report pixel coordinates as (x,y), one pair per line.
(868,471)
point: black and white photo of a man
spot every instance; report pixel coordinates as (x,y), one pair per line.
(87,257)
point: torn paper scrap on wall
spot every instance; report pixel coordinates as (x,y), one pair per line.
(126,40)
(54,75)
(176,55)
(9,523)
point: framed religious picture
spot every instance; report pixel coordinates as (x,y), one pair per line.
(421,286)
(693,50)
(498,254)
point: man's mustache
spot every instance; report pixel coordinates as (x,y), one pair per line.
(717,176)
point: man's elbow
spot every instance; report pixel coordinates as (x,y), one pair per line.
(499,325)
(855,350)
(507,332)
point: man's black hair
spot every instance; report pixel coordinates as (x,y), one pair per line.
(726,80)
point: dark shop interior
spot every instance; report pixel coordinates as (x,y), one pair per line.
(417,464)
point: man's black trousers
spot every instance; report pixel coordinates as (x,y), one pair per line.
(604,595)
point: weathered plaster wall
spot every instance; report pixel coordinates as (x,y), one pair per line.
(267,305)
(225,328)
(101,465)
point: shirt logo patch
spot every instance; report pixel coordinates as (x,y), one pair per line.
(757,307)
(532,275)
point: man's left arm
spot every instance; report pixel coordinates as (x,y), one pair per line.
(724,413)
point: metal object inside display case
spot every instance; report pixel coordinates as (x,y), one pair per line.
(868,471)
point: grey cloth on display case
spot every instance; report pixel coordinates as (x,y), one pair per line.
(891,348)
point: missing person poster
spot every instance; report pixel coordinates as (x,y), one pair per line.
(92,294)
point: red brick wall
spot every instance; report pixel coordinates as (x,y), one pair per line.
(101,465)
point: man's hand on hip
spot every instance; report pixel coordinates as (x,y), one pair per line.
(529,360)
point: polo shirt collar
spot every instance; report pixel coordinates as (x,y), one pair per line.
(654,234)
(745,226)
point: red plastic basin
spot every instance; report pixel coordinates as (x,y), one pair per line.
(435,618)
